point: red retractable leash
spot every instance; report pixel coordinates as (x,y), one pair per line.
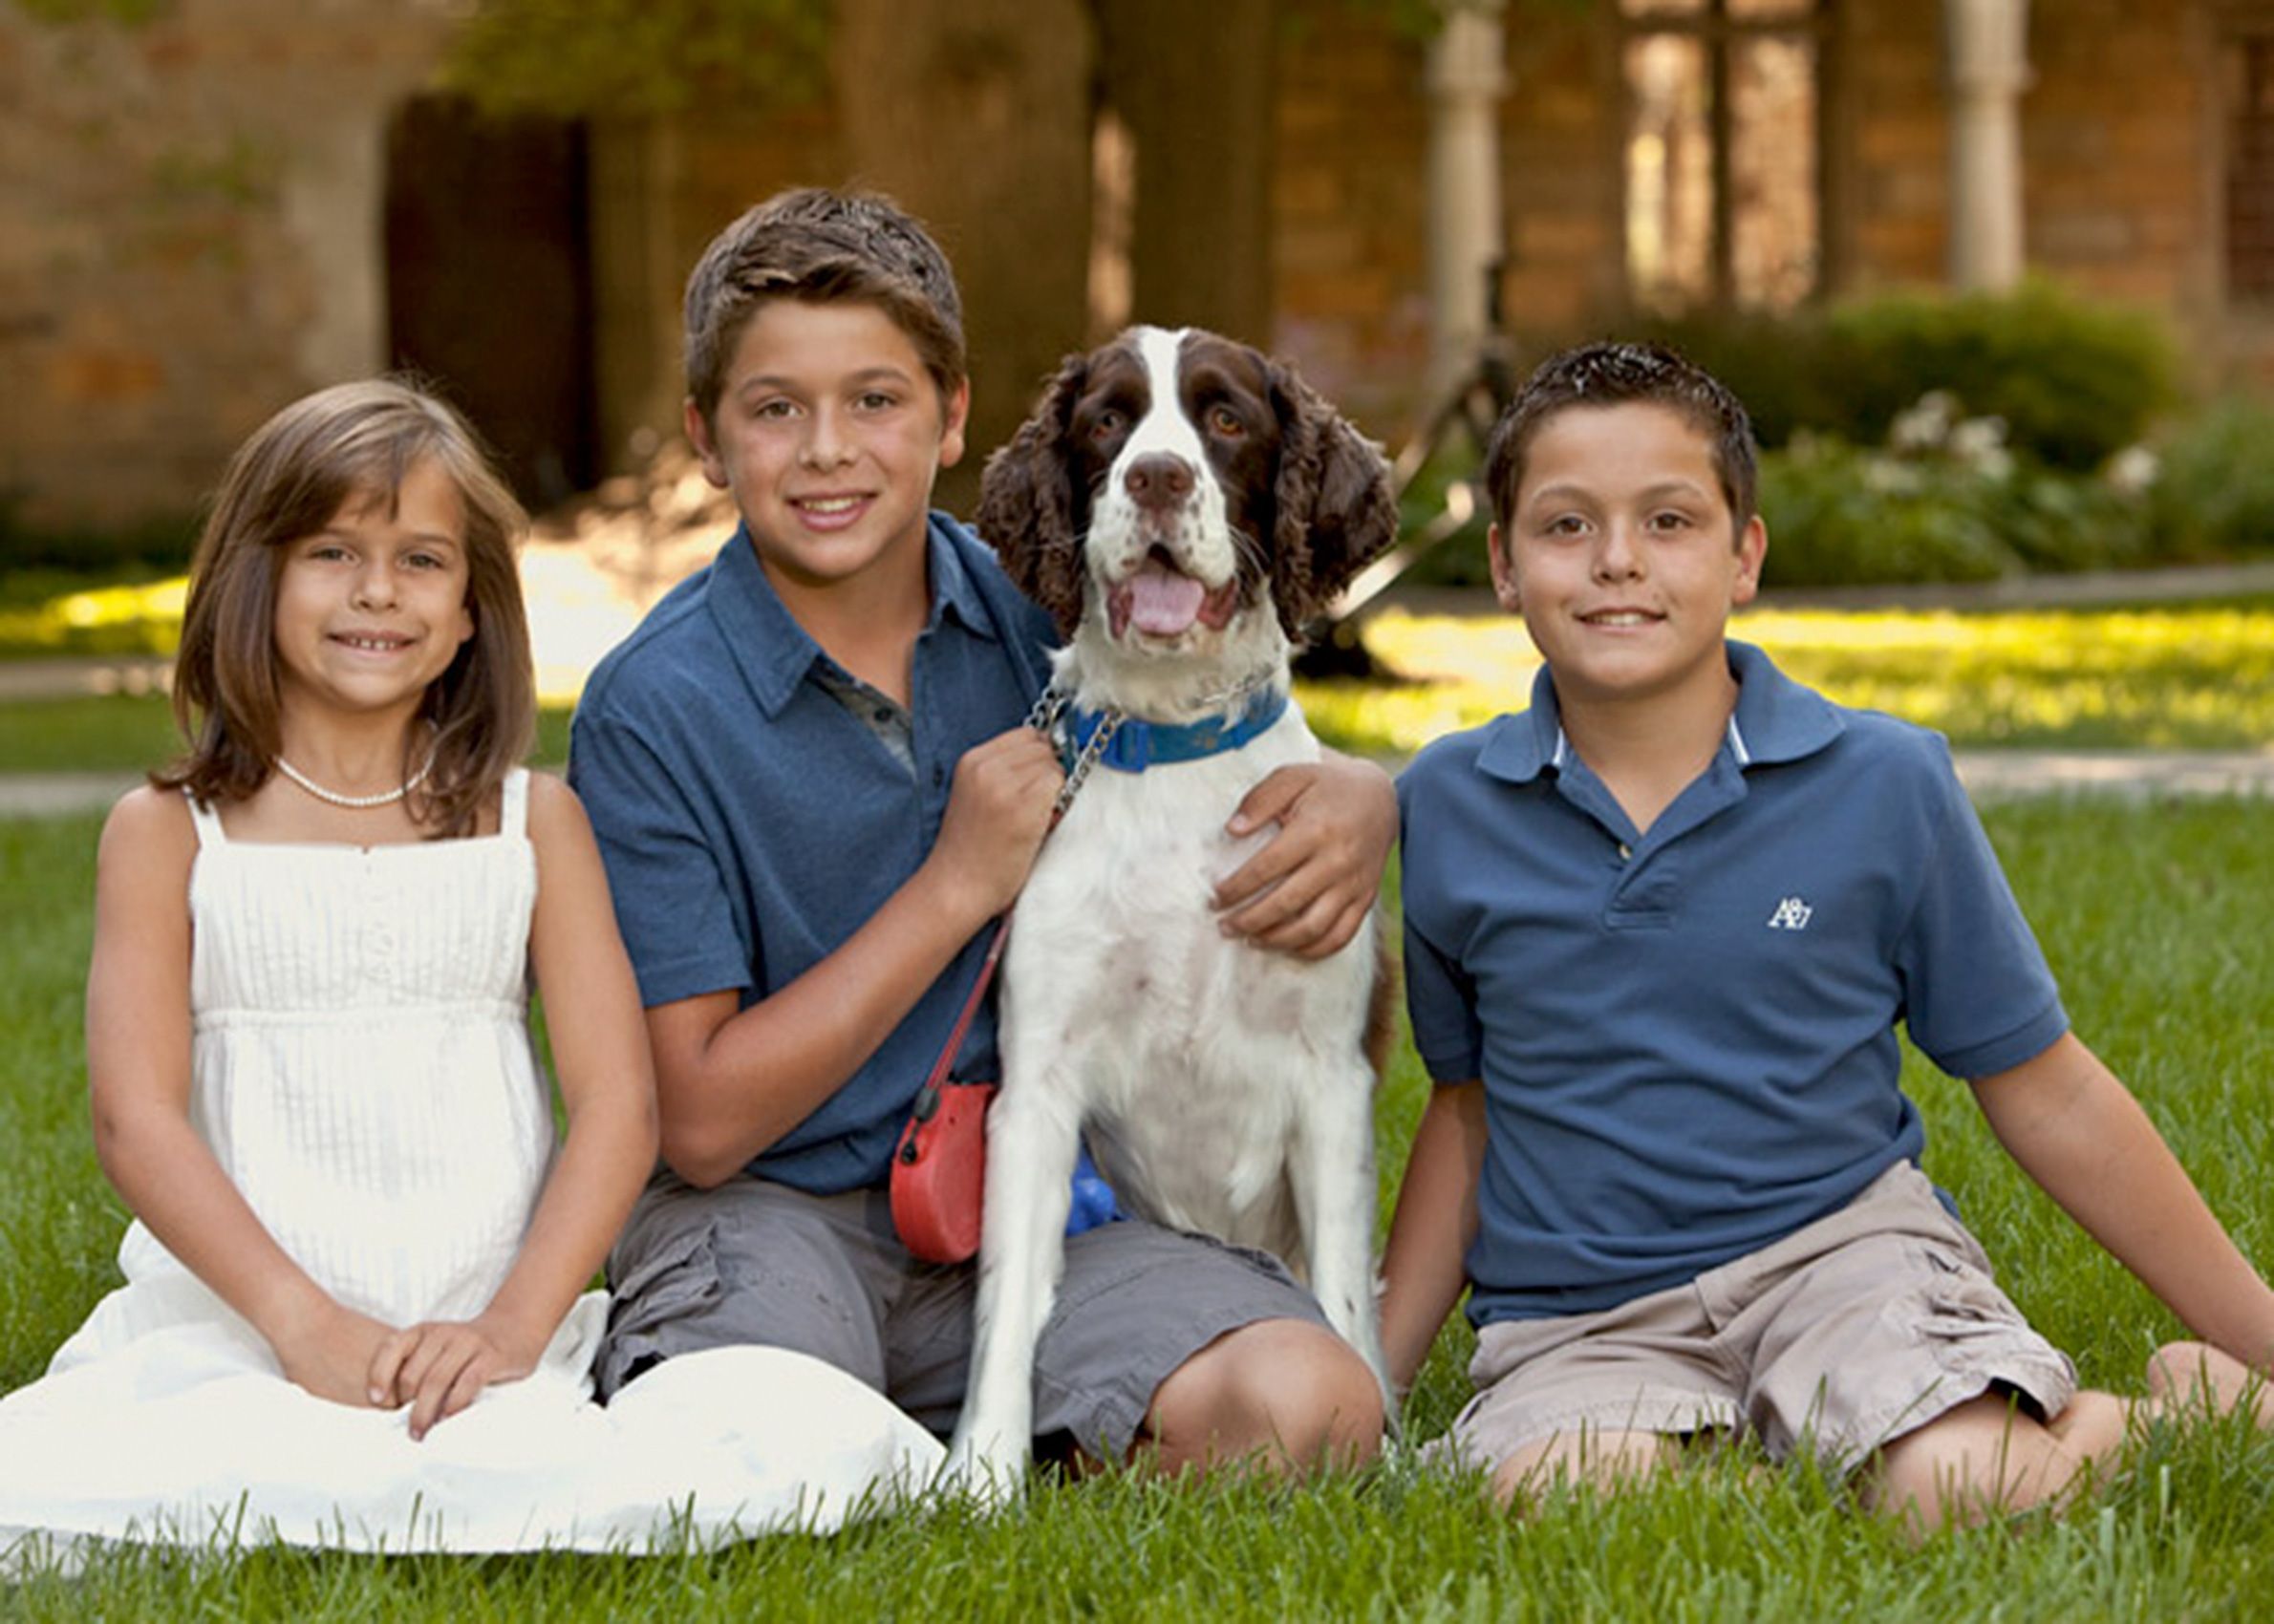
(939,1167)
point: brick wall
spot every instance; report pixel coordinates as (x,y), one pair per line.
(1894,146)
(188,230)
(1561,183)
(1348,216)
(2117,151)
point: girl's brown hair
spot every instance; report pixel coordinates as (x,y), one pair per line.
(354,441)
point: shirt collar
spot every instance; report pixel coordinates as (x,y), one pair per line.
(774,653)
(1776,719)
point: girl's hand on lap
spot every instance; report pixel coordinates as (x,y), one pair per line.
(332,1355)
(440,1366)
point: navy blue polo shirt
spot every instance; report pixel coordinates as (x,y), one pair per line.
(751,822)
(1686,1038)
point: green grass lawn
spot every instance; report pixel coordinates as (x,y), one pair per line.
(2153,916)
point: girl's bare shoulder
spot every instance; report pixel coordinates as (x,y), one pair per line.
(142,865)
(554,808)
(149,819)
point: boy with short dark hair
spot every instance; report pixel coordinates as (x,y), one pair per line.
(1658,932)
(810,784)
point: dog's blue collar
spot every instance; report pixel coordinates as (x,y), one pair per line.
(1134,745)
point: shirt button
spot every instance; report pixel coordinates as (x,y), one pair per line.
(1624,851)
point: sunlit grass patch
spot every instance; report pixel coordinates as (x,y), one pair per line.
(142,618)
(2191,677)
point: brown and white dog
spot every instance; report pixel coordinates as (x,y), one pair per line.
(1181,505)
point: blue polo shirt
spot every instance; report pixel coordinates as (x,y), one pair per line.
(751,822)
(1686,1038)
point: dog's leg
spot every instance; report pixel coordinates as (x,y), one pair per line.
(1331,1170)
(1033,1136)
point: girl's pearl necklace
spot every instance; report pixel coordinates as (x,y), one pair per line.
(355,803)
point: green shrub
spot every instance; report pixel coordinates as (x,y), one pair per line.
(1777,365)
(2055,522)
(2213,490)
(2074,381)
(156,545)
(1945,500)
(1839,515)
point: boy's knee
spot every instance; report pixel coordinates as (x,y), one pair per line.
(1286,1393)
(1984,1457)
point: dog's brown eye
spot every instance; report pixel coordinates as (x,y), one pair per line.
(1224,421)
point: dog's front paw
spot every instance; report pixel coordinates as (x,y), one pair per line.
(990,1472)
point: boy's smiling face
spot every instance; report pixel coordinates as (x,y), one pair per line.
(828,431)
(1621,554)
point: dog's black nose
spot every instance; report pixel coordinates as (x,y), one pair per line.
(1158,480)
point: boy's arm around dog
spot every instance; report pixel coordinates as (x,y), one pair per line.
(1309,889)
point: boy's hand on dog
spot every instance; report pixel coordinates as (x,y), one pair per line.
(1308,890)
(998,810)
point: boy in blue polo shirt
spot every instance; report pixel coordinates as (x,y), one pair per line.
(1659,930)
(812,790)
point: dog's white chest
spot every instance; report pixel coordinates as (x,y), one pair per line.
(1171,1039)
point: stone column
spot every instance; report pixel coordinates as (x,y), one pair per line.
(1467,79)
(1988,61)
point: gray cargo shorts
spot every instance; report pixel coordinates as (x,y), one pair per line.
(1839,1338)
(758,1263)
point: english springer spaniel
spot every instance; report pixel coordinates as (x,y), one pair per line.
(1181,505)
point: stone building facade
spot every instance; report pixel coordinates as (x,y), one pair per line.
(207,211)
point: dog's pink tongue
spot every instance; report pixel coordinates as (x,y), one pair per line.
(1162,602)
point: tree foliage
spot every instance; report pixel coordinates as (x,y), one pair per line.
(584,59)
(131,13)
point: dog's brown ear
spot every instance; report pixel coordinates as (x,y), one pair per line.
(1336,506)
(1027,502)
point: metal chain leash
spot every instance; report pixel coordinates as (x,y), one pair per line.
(1048,711)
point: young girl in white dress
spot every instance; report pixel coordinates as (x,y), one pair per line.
(356,1310)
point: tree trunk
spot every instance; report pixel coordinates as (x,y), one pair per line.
(977,116)
(1193,80)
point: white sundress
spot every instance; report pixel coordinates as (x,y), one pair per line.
(362,1069)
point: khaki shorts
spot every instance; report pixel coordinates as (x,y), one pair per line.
(754,1262)
(1839,1338)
